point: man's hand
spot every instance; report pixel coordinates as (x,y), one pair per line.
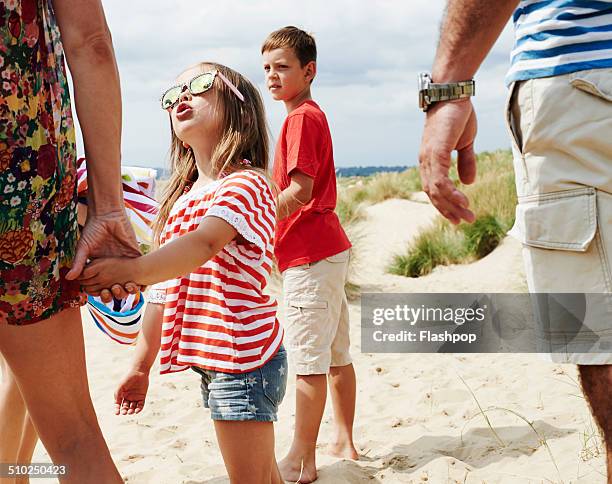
(449,126)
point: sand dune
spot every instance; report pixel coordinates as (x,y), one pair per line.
(416,421)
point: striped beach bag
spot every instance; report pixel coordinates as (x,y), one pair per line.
(121,319)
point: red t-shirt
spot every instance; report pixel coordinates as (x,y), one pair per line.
(312,232)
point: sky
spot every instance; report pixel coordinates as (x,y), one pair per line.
(369,55)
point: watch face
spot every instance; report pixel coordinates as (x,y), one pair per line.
(423,84)
(424,80)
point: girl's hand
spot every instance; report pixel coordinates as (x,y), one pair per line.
(102,274)
(131,393)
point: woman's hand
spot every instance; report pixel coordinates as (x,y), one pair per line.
(131,392)
(108,235)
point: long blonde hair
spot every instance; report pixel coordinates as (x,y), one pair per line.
(244,135)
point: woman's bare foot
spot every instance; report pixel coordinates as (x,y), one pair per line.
(291,470)
(343,450)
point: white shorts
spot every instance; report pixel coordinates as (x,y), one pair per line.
(561,129)
(316,312)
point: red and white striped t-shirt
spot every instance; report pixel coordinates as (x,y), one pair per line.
(218,317)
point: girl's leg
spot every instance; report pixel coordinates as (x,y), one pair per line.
(248,451)
(48,362)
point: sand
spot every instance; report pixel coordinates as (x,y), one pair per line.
(416,420)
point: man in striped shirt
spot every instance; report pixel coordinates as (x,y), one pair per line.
(559,115)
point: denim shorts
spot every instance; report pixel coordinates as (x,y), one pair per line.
(254,395)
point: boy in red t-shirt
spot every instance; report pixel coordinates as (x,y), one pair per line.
(312,252)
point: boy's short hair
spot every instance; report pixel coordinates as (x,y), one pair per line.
(302,43)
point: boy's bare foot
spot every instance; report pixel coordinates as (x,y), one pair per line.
(343,450)
(291,470)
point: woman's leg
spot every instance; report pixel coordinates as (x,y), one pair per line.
(48,362)
(29,439)
(12,415)
(19,436)
(248,451)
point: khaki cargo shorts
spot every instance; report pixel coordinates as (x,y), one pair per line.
(316,312)
(561,129)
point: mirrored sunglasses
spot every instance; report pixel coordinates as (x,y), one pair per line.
(197,85)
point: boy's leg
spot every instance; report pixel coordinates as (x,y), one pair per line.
(310,396)
(248,451)
(343,388)
(48,362)
(313,296)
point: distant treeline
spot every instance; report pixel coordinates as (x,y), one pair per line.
(368,170)
(163,173)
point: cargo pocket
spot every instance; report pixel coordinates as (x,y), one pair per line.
(564,249)
(307,319)
(565,220)
(302,304)
(597,82)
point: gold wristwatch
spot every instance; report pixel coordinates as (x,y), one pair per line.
(430,92)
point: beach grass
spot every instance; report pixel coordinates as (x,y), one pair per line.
(542,441)
(356,192)
(493,201)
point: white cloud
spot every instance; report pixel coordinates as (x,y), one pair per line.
(369,55)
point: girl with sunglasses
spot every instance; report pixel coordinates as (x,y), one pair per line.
(215,229)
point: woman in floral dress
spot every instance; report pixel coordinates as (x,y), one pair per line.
(40,325)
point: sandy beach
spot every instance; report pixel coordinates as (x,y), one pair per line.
(416,420)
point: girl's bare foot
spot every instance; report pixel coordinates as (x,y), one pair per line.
(343,450)
(291,470)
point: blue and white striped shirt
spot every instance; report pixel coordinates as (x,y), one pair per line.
(554,37)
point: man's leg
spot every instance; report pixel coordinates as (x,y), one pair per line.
(48,362)
(310,396)
(343,389)
(596,383)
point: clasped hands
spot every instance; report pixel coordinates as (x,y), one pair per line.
(111,276)
(107,240)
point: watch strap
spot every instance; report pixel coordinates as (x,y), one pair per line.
(431,93)
(454,90)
